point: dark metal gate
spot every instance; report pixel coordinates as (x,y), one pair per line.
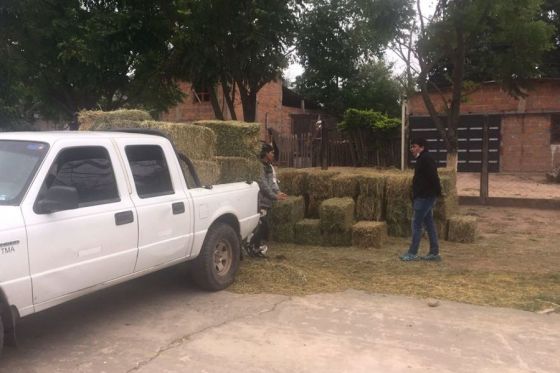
(469,134)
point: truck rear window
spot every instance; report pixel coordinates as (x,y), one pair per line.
(19,160)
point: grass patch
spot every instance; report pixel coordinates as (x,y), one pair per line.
(502,269)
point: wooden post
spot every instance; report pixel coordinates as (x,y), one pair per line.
(484,169)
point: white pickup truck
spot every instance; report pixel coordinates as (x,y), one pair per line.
(81,211)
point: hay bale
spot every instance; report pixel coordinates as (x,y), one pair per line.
(319,183)
(398,211)
(337,214)
(234,169)
(208,172)
(370,204)
(368,234)
(334,238)
(89,119)
(446,207)
(197,143)
(235,139)
(462,229)
(287,211)
(308,232)
(292,181)
(312,207)
(345,186)
(282,232)
(441,228)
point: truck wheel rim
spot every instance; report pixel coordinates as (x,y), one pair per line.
(222,258)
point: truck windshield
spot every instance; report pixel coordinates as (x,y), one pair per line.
(19,161)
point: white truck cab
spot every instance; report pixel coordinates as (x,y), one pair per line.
(81,211)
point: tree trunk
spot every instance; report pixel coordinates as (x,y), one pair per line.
(229,95)
(452,160)
(215,104)
(248,102)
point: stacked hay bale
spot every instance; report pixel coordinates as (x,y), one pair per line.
(447,205)
(346,186)
(196,142)
(369,234)
(319,188)
(398,212)
(370,204)
(237,148)
(283,218)
(293,181)
(336,217)
(91,119)
(308,232)
(462,229)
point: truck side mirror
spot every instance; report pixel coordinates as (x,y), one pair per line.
(58,198)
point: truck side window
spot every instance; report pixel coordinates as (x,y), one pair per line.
(149,169)
(89,170)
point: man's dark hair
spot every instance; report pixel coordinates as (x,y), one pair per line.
(420,141)
(265,149)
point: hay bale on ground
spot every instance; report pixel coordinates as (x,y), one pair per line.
(235,139)
(368,234)
(462,229)
(290,211)
(308,232)
(234,169)
(292,181)
(89,119)
(398,212)
(345,186)
(282,232)
(370,204)
(335,238)
(337,214)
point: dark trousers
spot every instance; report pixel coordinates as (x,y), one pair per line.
(261,231)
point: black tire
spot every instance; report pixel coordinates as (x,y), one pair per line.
(215,267)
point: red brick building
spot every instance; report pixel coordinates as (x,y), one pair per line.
(276,107)
(527,129)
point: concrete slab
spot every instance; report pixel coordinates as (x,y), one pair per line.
(161,324)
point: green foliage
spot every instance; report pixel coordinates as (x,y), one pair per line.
(73,55)
(368,119)
(339,45)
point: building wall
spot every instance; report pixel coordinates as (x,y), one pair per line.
(270,110)
(525,125)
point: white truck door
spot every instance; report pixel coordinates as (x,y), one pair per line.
(160,197)
(87,244)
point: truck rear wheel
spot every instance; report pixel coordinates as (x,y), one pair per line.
(216,265)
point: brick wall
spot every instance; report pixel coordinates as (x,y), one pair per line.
(269,108)
(525,131)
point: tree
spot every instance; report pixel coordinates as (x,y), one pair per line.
(340,42)
(502,40)
(239,44)
(550,13)
(86,54)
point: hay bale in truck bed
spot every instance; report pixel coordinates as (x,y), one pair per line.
(197,143)
(234,169)
(369,234)
(308,232)
(89,119)
(208,172)
(462,229)
(337,214)
(235,139)
(398,212)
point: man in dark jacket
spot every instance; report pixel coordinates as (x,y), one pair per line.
(426,188)
(269,192)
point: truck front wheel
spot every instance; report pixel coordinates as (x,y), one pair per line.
(216,265)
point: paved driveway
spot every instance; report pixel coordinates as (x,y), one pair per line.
(161,324)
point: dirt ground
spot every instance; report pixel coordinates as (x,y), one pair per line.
(518,185)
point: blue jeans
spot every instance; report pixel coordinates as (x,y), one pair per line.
(423,216)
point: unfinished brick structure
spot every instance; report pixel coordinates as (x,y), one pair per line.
(530,126)
(275,106)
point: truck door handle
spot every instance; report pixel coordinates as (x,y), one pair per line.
(178,208)
(124,217)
